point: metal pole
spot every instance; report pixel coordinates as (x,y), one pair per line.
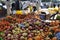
(39,3)
(8,7)
(50,3)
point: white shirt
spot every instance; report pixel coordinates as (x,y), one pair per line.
(5,6)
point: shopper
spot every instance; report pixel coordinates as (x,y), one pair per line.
(13,6)
(17,5)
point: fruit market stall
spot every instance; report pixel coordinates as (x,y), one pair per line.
(28,27)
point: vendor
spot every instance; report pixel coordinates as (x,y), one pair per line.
(18,5)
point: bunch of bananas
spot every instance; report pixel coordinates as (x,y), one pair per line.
(53,10)
(19,12)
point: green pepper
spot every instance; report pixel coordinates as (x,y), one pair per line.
(1,38)
(1,33)
(58,17)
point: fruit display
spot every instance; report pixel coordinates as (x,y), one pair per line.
(52,11)
(28,28)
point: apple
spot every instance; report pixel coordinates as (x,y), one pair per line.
(27,25)
(1,38)
(30,27)
(24,34)
(37,23)
(21,37)
(9,35)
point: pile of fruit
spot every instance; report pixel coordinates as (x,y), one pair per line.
(4,25)
(28,28)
